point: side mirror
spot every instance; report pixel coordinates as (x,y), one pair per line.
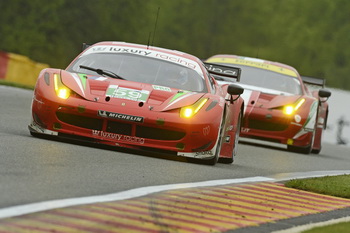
(234,89)
(323,93)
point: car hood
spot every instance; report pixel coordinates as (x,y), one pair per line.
(100,89)
(266,98)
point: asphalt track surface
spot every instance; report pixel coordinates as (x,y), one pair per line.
(36,170)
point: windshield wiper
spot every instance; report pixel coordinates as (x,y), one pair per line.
(102,72)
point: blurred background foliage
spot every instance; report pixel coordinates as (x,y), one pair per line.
(313,35)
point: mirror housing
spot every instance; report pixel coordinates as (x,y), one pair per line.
(323,93)
(234,89)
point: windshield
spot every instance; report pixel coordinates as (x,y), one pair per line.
(267,79)
(271,80)
(141,69)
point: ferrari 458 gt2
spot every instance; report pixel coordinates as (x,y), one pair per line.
(279,107)
(140,97)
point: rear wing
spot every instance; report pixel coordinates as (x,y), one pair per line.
(314,83)
(224,72)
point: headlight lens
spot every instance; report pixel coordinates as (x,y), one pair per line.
(190,111)
(62,91)
(290,109)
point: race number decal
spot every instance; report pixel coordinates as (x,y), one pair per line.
(126,93)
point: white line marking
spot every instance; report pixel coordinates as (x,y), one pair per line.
(138,192)
(306,227)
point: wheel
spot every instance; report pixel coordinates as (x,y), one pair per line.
(303,150)
(215,159)
(307,149)
(234,151)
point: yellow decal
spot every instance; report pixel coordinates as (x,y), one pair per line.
(254,63)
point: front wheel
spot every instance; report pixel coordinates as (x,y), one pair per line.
(215,159)
(303,150)
(235,143)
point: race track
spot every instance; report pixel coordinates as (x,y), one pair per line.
(35,170)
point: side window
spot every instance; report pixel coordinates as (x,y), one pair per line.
(212,83)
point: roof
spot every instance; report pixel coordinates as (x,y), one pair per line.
(254,62)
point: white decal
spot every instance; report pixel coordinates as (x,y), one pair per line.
(118,137)
(148,53)
(206,130)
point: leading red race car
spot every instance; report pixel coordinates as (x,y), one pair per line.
(279,107)
(140,97)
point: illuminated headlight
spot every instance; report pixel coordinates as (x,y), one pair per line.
(290,109)
(190,111)
(62,91)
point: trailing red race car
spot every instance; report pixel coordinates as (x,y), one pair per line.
(279,107)
(140,97)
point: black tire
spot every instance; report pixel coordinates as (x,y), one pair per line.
(215,159)
(234,152)
(301,150)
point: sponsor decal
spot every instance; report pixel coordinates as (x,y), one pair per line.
(161,88)
(209,152)
(230,128)
(297,118)
(258,63)
(119,137)
(223,70)
(148,53)
(120,116)
(115,91)
(245,130)
(206,130)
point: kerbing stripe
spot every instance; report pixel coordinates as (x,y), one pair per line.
(47,205)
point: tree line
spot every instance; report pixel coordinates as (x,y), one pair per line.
(310,35)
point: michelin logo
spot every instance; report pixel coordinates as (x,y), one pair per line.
(120,116)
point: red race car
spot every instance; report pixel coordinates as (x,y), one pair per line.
(279,107)
(140,97)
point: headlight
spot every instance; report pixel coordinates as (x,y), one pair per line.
(62,91)
(290,109)
(190,111)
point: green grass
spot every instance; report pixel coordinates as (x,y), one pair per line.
(335,228)
(338,186)
(12,84)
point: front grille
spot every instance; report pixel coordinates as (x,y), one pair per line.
(80,121)
(265,125)
(119,128)
(158,134)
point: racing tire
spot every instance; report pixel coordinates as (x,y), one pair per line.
(234,151)
(303,150)
(300,150)
(308,149)
(316,151)
(215,159)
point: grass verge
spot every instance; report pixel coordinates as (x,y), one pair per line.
(338,186)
